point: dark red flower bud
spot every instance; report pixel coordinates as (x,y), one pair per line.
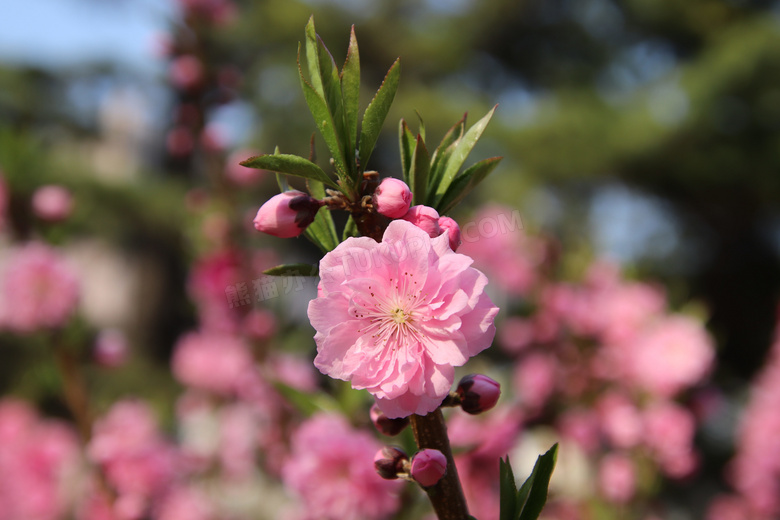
(385,425)
(389,462)
(478,393)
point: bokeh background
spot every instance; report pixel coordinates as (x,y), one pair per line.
(645,132)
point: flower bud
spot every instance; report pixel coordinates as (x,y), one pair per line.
(287,215)
(452,229)
(392,198)
(428,467)
(52,203)
(385,425)
(110,348)
(425,218)
(389,462)
(478,393)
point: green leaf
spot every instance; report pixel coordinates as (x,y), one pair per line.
(322,231)
(376,112)
(442,153)
(418,175)
(291,165)
(331,84)
(350,229)
(293,270)
(532,495)
(461,151)
(324,122)
(307,404)
(466,182)
(508,491)
(350,93)
(312,58)
(406,143)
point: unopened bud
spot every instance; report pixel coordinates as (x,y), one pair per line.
(389,462)
(386,425)
(428,467)
(52,203)
(287,215)
(392,198)
(478,393)
(452,229)
(425,218)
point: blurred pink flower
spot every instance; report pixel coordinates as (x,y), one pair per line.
(673,354)
(39,289)
(534,379)
(515,334)
(37,458)
(111,349)
(617,478)
(185,503)
(241,175)
(186,72)
(259,324)
(395,317)
(620,420)
(331,469)
(212,361)
(52,203)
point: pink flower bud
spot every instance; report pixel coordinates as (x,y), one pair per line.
(392,198)
(478,393)
(389,462)
(385,425)
(110,348)
(452,229)
(287,215)
(186,72)
(425,218)
(52,203)
(428,467)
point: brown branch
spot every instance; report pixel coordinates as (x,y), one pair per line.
(447,497)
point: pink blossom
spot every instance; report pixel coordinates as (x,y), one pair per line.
(186,72)
(617,478)
(428,467)
(674,354)
(39,290)
(395,317)
(238,439)
(621,422)
(729,507)
(110,348)
(211,361)
(515,334)
(668,431)
(287,214)
(331,469)
(425,218)
(36,459)
(535,377)
(185,503)
(293,371)
(449,226)
(392,198)
(52,203)
(259,324)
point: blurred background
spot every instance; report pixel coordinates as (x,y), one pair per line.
(645,132)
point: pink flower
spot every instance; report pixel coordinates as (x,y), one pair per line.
(52,203)
(39,290)
(449,226)
(185,503)
(425,218)
(535,378)
(617,478)
(37,459)
(392,198)
(674,354)
(428,467)
(331,469)
(395,317)
(287,214)
(110,348)
(186,72)
(211,361)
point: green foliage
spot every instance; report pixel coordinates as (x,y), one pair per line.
(527,502)
(293,270)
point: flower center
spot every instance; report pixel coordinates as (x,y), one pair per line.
(399,316)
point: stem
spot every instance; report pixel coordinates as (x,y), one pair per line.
(75,392)
(447,497)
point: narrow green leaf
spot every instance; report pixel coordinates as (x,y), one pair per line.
(331,84)
(350,229)
(535,497)
(443,151)
(462,150)
(421,131)
(312,58)
(307,404)
(376,112)
(322,231)
(465,182)
(350,94)
(324,122)
(406,143)
(418,175)
(508,508)
(293,270)
(291,165)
